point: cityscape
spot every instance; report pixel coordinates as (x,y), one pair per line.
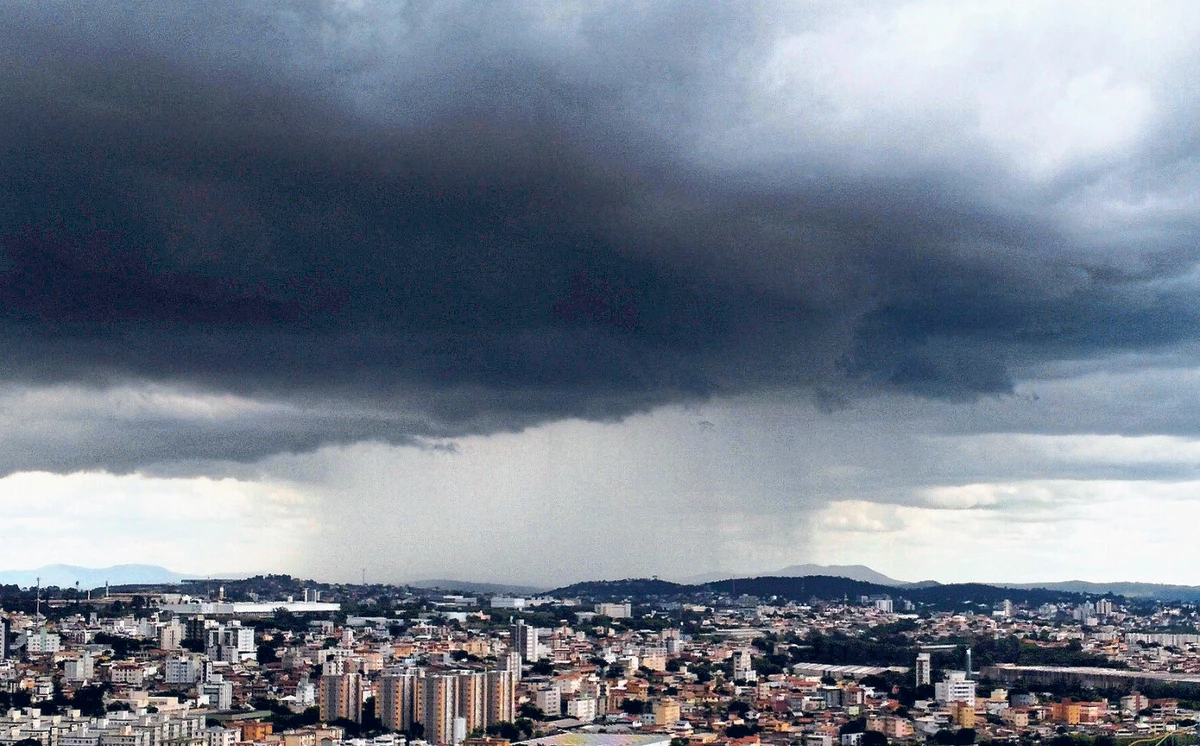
(599,373)
(280,661)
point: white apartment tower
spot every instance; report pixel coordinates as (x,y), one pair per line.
(924,669)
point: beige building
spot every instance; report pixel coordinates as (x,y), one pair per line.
(341,697)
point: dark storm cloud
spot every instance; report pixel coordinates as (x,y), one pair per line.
(460,221)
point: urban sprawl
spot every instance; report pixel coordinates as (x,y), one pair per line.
(277,661)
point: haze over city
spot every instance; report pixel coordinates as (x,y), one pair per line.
(543,292)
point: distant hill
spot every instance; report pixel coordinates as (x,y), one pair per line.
(853,572)
(1155,591)
(65,576)
(469,587)
(817,587)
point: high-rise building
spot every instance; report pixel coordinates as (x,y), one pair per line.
(924,669)
(183,670)
(437,707)
(615,611)
(170,635)
(472,699)
(956,688)
(511,662)
(219,693)
(3,639)
(79,669)
(396,700)
(501,697)
(525,641)
(341,697)
(448,705)
(743,667)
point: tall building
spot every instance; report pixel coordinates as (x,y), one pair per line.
(448,705)
(924,669)
(341,697)
(397,699)
(170,635)
(3,638)
(183,670)
(525,641)
(472,699)
(511,661)
(219,693)
(956,688)
(501,696)
(743,667)
(615,611)
(80,669)
(437,707)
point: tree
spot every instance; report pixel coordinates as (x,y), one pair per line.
(504,729)
(740,731)
(531,711)
(944,737)
(633,706)
(266,654)
(525,725)
(874,738)
(858,725)
(964,737)
(542,668)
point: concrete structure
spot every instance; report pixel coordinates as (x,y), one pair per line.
(525,641)
(219,693)
(1095,678)
(340,697)
(506,602)
(818,670)
(194,608)
(583,709)
(956,688)
(549,701)
(924,669)
(615,611)
(80,669)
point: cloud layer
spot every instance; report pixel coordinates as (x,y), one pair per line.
(372,220)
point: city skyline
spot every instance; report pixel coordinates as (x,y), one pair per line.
(542,292)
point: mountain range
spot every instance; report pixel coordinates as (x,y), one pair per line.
(854,579)
(853,572)
(65,576)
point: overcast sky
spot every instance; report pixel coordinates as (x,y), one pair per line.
(541,292)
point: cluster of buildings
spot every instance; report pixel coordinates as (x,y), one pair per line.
(426,667)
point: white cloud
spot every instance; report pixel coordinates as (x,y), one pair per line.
(1033,531)
(196,525)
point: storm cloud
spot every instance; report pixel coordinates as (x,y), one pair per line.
(346,221)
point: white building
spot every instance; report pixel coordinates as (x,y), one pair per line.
(170,636)
(924,669)
(182,671)
(583,709)
(219,693)
(548,701)
(743,667)
(42,642)
(80,669)
(525,641)
(508,602)
(956,688)
(615,611)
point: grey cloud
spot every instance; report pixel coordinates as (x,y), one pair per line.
(424,221)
